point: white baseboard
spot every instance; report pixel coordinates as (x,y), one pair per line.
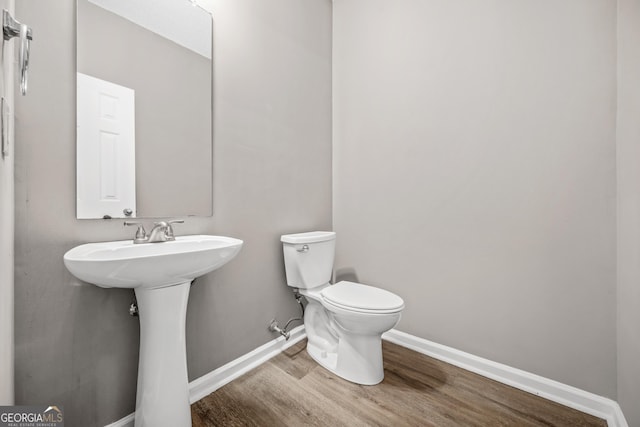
(127,421)
(563,394)
(212,381)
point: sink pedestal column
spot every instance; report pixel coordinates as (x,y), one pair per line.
(162,398)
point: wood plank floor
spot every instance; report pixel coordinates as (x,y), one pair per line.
(293,390)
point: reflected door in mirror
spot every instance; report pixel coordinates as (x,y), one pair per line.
(106,151)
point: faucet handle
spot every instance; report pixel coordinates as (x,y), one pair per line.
(170,228)
(141,233)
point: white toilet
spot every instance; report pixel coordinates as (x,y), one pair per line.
(344,322)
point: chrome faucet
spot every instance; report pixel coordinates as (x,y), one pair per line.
(162,231)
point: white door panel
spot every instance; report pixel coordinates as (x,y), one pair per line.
(106,172)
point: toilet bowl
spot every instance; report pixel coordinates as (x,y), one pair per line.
(344,322)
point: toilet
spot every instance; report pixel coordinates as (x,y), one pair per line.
(344,322)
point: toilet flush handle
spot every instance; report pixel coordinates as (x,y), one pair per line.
(304,248)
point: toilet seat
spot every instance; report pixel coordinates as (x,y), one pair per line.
(361,298)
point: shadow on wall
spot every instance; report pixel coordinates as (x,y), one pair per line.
(349,274)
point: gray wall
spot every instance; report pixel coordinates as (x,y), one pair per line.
(474,174)
(75,343)
(6,228)
(173,108)
(629,209)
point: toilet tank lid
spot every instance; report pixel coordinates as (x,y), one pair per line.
(308,237)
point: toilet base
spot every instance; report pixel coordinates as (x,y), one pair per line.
(358,358)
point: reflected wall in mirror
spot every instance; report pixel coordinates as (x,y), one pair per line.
(144,115)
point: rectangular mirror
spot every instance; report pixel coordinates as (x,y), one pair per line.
(144,109)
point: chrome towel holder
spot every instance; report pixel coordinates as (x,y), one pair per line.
(12,28)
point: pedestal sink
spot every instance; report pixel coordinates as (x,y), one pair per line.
(161,276)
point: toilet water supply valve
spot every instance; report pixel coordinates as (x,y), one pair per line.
(274,327)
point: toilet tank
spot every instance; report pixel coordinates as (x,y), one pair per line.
(308,258)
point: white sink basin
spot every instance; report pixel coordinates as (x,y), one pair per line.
(123,264)
(161,276)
